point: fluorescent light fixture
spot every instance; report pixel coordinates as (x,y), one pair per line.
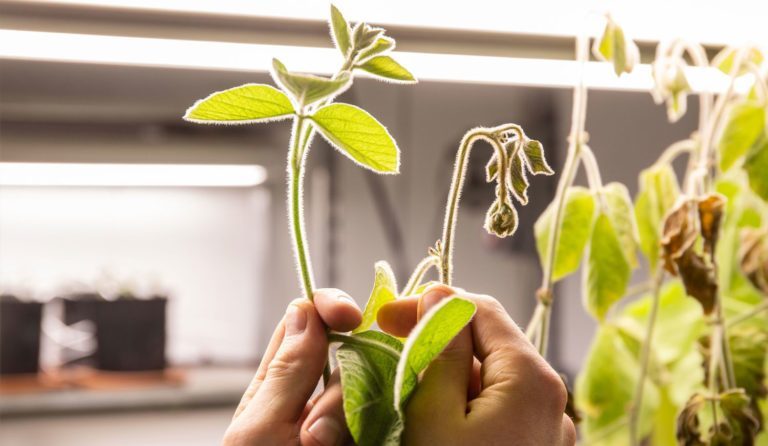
(738,21)
(137,175)
(208,55)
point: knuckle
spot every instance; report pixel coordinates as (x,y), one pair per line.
(556,394)
(283,366)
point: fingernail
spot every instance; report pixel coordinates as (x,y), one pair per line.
(346,298)
(325,431)
(295,320)
(433,296)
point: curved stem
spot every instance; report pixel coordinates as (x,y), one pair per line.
(594,178)
(418,274)
(761,307)
(673,151)
(364,342)
(459,171)
(645,357)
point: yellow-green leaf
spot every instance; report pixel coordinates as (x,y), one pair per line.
(340,31)
(246,104)
(724,59)
(658,193)
(756,165)
(619,209)
(607,271)
(381,45)
(746,122)
(384,290)
(307,88)
(358,135)
(578,214)
(387,68)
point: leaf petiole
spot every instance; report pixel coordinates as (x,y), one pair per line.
(364,342)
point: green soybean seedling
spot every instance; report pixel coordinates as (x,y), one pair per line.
(378,372)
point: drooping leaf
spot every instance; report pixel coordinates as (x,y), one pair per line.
(518,181)
(745,124)
(756,166)
(387,68)
(753,257)
(670,86)
(619,210)
(534,156)
(614,47)
(607,271)
(383,44)
(658,193)
(427,340)
(358,135)
(307,89)
(724,59)
(710,216)
(578,215)
(367,378)
(605,389)
(384,290)
(246,104)
(340,31)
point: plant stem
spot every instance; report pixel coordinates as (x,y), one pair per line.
(761,307)
(364,342)
(575,143)
(673,151)
(296,158)
(645,357)
(418,274)
(459,172)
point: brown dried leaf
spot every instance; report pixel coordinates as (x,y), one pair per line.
(753,255)
(698,276)
(710,215)
(678,236)
(688,431)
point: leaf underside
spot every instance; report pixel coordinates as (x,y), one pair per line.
(246,104)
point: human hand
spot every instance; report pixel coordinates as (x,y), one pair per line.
(489,387)
(276,408)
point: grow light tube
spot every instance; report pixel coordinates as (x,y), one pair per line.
(136,175)
(227,56)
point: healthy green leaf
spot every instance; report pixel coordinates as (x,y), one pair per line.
(658,193)
(724,59)
(534,156)
(307,89)
(382,45)
(517,180)
(246,104)
(367,378)
(578,214)
(619,210)
(607,272)
(364,35)
(613,46)
(358,135)
(340,31)
(605,388)
(746,123)
(756,165)
(387,68)
(384,290)
(427,340)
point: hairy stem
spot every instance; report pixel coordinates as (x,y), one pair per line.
(364,342)
(296,158)
(419,273)
(645,357)
(673,151)
(454,195)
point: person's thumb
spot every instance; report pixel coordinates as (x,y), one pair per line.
(294,372)
(442,391)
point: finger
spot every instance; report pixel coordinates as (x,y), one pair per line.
(325,425)
(337,310)
(475,384)
(399,316)
(274,344)
(445,384)
(569,431)
(294,371)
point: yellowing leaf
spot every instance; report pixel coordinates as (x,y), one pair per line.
(619,210)
(387,68)
(756,165)
(578,214)
(358,135)
(658,193)
(607,271)
(384,290)
(246,104)
(746,123)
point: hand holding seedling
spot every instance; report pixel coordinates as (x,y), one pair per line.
(277,408)
(490,386)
